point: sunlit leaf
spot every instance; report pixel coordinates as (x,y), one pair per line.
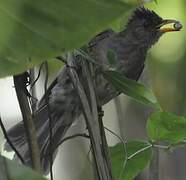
(33,31)
(9,170)
(131,88)
(139,155)
(163,126)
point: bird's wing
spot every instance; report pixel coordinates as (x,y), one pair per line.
(91,45)
(100,37)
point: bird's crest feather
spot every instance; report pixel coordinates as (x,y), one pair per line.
(146,14)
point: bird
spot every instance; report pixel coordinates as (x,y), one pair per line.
(130,46)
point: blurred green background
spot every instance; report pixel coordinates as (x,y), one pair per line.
(167,59)
(167,70)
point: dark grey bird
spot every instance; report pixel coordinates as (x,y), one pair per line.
(130,47)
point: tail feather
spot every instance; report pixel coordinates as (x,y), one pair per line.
(18,137)
(65,108)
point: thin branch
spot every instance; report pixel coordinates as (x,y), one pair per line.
(50,122)
(161,146)
(33,99)
(123,142)
(104,140)
(91,120)
(125,150)
(93,108)
(89,58)
(85,107)
(139,151)
(72,137)
(154,165)
(9,141)
(62,59)
(97,112)
(38,76)
(119,112)
(28,122)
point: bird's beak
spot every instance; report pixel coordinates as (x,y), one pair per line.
(169,25)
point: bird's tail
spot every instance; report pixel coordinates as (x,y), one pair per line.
(60,124)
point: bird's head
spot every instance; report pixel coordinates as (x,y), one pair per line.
(147,27)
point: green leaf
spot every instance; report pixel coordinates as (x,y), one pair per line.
(139,155)
(12,171)
(131,88)
(33,31)
(156,1)
(163,126)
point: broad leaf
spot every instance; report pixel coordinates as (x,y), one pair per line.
(131,88)
(163,126)
(33,31)
(9,170)
(139,155)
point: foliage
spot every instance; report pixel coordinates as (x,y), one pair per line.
(132,88)
(161,126)
(128,161)
(32,32)
(13,171)
(166,126)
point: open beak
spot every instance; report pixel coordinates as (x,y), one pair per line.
(169,25)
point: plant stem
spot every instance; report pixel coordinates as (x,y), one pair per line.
(28,122)
(139,151)
(50,122)
(154,166)
(89,108)
(33,91)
